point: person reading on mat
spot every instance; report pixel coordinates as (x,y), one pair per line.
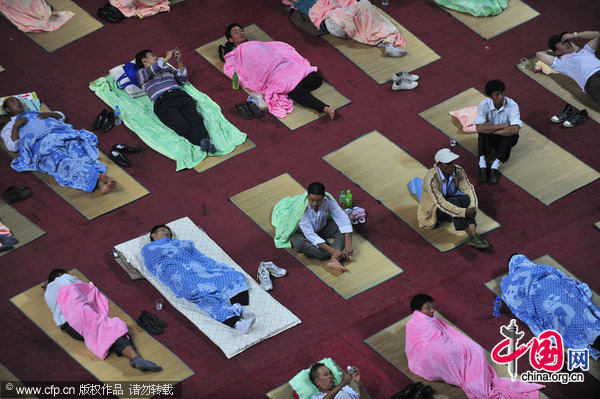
(545,298)
(217,289)
(80,310)
(172,105)
(583,66)
(438,352)
(448,194)
(322,377)
(273,69)
(498,123)
(307,220)
(47,144)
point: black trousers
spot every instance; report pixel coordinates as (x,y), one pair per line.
(302,92)
(592,86)
(121,343)
(460,200)
(501,144)
(243,298)
(177,110)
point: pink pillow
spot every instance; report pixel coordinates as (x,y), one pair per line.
(466,117)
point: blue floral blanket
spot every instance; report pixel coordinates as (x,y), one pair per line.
(195,277)
(55,147)
(546,299)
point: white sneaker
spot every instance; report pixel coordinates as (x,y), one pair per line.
(258,100)
(404,84)
(405,75)
(264,278)
(274,270)
(394,52)
(244,325)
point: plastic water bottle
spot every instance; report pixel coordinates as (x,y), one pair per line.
(348,199)
(342,199)
(236,81)
(497,307)
(118,119)
(384,2)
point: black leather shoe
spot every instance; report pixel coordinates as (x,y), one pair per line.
(494,176)
(408,391)
(125,149)
(154,330)
(99,120)
(120,159)
(114,12)
(103,13)
(425,393)
(483,175)
(154,318)
(109,122)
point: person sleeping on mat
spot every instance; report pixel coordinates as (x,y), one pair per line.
(358,20)
(273,69)
(438,352)
(217,289)
(47,144)
(80,310)
(544,298)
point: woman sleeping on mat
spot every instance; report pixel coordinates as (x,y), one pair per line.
(47,144)
(217,289)
(436,351)
(544,298)
(274,69)
(80,310)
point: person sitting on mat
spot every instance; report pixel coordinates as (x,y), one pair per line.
(322,377)
(358,20)
(217,289)
(80,310)
(47,144)
(448,194)
(582,66)
(273,69)
(307,220)
(567,304)
(498,123)
(172,105)
(438,352)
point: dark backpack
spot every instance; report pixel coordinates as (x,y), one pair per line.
(129,77)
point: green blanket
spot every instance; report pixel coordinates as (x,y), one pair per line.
(286,217)
(477,8)
(138,115)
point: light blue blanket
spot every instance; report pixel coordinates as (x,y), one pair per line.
(55,147)
(195,277)
(546,299)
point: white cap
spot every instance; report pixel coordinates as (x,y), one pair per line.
(445,156)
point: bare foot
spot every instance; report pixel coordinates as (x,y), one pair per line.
(106,183)
(329,111)
(336,265)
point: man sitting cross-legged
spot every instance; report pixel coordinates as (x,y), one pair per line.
(80,310)
(47,144)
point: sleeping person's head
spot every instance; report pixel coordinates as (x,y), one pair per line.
(160,231)
(145,58)
(234,34)
(423,303)
(560,46)
(56,273)
(13,106)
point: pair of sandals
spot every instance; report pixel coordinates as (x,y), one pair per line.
(357,215)
(248,110)
(16,193)
(104,121)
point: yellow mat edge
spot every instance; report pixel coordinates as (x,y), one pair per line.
(39,231)
(239,149)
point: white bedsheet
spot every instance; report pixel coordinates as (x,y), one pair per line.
(271,316)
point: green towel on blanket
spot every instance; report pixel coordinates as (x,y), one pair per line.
(477,8)
(138,115)
(286,217)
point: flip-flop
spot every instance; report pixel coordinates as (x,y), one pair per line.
(244,111)
(254,109)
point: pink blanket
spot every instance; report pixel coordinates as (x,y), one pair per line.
(141,8)
(86,310)
(270,68)
(34,15)
(361,21)
(436,351)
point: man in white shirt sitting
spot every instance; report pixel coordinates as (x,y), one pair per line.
(498,123)
(315,227)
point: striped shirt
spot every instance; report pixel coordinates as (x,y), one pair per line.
(157,79)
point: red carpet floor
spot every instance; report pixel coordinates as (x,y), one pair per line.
(331,326)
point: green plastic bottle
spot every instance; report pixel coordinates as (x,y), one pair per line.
(342,199)
(236,81)
(348,199)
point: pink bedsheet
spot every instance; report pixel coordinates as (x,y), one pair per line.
(86,310)
(361,21)
(34,15)
(436,351)
(140,8)
(269,68)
